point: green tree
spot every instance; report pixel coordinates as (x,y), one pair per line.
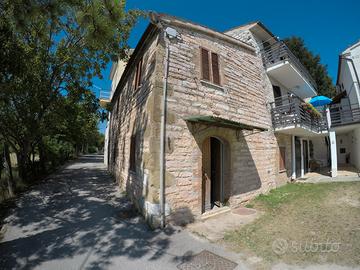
(313,64)
(49,53)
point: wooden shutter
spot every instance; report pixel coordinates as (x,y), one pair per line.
(138,74)
(205,64)
(282,151)
(133,153)
(215,68)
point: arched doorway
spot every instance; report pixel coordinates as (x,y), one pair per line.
(213,174)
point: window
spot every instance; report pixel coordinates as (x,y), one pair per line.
(282,158)
(133,153)
(210,66)
(138,74)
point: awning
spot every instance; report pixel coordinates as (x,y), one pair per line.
(221,122)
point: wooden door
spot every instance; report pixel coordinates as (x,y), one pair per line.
(215,172)
(206,174)
(298,157)
(306,156)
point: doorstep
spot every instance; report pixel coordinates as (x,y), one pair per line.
(215,212)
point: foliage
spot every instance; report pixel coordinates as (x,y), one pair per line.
(58,150)
(313,64)
(49,53)
(311,109)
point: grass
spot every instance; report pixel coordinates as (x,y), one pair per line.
(304,216)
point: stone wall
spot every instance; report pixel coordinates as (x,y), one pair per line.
(136,112)
(242,97)
(283,140)
(250,156)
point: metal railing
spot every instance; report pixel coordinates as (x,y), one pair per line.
(105,94)
(344,115)
(279,52)
(290,111)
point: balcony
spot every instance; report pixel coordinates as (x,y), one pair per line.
(104,98)
(344,115)
(291,115)
(282,65)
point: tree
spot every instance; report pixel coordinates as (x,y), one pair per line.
(49,53)
(313,64)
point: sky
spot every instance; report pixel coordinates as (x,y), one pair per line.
(328,27)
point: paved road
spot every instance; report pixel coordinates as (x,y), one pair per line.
(74,221)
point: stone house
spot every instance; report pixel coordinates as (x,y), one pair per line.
(196,121)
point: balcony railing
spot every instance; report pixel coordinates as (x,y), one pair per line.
(344,115)
(278,53)
(290,112)
(105,95)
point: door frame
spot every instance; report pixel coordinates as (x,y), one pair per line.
(302,170)
(206,180)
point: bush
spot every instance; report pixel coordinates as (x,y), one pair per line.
(58,151)
(92,149)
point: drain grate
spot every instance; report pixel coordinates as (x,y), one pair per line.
(207,260)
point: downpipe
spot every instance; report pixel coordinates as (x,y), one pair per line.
(163,133)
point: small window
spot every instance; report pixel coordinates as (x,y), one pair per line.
(342,150)
(138,74)
(210,70)
(133,153)
(282,157)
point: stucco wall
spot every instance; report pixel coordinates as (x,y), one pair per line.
(355,148)
(343,141)
(320,150)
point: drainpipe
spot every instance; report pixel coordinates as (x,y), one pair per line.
(162,134)
(169,33)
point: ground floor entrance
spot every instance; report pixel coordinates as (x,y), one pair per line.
(302,156)
(213,172)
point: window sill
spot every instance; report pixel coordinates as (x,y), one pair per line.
(213,85)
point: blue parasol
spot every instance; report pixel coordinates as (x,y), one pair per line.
(320,101)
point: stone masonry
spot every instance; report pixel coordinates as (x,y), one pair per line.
(250,157)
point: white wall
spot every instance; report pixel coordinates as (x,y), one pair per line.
(320,150)
(343,141)
(355,148)
(116,73)
(347,79)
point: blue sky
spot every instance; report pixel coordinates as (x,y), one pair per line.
(327,26)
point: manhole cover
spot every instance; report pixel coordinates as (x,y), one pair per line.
(207,260)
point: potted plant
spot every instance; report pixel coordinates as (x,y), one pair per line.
(311,110)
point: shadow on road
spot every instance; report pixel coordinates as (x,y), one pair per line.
(77,214)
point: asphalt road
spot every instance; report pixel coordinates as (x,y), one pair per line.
(75,220)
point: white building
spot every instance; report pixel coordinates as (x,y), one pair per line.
(117,69)
(346,112)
